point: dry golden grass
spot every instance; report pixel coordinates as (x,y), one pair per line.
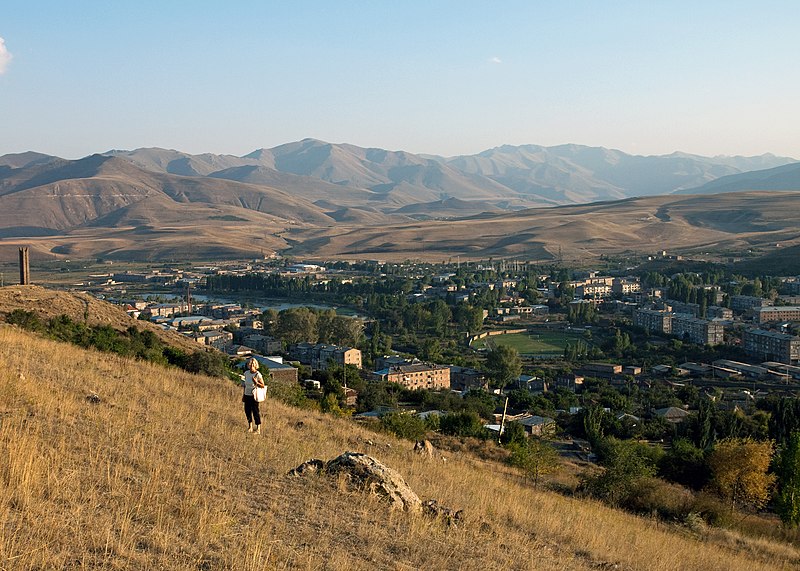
(160,474)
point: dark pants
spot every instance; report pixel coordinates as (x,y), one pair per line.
(251,409)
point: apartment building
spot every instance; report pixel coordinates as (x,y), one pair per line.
(772,346)
(321,357)
(653,320)
(717,312)
(741,303)
(774,314)
(700,331)
(625,286)
(692,309)
(416,376)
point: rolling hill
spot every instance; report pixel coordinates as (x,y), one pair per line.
(785,177)
(698,224)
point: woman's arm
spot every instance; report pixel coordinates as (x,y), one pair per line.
(258,380)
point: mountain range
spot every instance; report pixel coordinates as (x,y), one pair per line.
(306,196)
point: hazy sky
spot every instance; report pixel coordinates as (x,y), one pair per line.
(438,77)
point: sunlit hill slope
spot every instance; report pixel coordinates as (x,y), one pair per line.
(160,474)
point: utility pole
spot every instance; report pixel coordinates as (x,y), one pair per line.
(503,421)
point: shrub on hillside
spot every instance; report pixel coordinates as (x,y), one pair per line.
(291,394)
(655,496)
(210,363)
(466,423)
(626,463)
(404,425)
(26,319)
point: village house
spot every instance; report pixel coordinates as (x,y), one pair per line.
(531,384)
(464,378)
(569,381)
(601,370)
(672,414)
(537,425)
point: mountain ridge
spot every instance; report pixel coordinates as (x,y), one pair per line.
(126,204)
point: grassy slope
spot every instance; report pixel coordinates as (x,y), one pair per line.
(49,303)
(161,474)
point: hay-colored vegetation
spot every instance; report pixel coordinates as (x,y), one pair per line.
(161,474)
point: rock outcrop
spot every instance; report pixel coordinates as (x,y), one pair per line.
(365,472)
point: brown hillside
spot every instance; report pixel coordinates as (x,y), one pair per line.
(157,472)
(736,221)
(49,303)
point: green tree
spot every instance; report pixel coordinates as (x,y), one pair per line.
(466,423)
(297,324)
(685,464)
(593,423)
(535,457)
(211,363)
(626,464)
(503,364)
(270,319)
(481,402)
(787,502)
(513,433)
(468,318)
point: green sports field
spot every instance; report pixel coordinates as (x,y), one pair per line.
(531,343)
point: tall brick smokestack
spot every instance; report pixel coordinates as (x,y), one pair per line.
(24,267)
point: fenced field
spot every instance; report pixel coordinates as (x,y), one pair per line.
(533,342)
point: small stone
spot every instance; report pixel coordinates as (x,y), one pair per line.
(311,467)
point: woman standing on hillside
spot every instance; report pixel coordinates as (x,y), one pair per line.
(252,379)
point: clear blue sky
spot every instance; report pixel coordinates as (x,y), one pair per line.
(438,77)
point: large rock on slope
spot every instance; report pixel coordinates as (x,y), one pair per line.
(366,472)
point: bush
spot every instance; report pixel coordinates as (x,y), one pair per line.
(466,423)
(404,425)
(655,496)
(210,363)
(711,509)
(291,394)
(26,319)
(626,464)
